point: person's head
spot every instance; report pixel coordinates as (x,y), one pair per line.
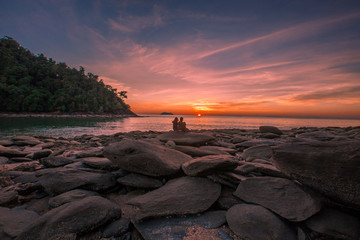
(176,119)
(181,119)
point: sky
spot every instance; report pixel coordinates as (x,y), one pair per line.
(270,58)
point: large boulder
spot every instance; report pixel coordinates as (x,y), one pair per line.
(177,227)
(145,158)
(185,195)
(253,222)
(99,163)
(72,218)
(255,152)
(335,223)
(331,168)
(270,129)
(209,164)
(14,221)
(9,152)
(189,138)
(280,195)
(60,180)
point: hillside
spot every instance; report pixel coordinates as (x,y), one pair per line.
(30,83)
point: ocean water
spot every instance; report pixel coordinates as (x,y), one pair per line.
(75,126)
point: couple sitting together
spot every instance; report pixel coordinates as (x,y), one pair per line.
(179,126)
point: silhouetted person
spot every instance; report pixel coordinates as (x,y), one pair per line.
(182,125)
(175,123)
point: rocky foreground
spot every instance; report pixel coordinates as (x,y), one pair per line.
(219,184)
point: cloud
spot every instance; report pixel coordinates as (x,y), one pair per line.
(349,92)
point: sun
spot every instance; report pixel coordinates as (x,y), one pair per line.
(199,114)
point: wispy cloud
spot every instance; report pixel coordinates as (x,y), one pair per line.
(349,92)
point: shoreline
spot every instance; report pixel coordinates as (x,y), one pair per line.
(66,115)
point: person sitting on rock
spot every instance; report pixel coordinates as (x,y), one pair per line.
(182,125)
(175,123)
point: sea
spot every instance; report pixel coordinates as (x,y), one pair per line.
(76,126)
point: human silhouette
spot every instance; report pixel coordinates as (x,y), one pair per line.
(182,125)
(175,123)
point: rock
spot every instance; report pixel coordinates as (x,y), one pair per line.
(25,140)
(24,166)
(13,221)
(335,223)
(189,138)
(332,168)
(70,196)
(9,152)
(116,228)
(260,151)
(6,143)
(280,195)
(270,129)
(270,135)
(40,154)
(5,180)
(196,151)
(209,164)
(253,222)
(60,180)
(4,160)
(21,159)
(145,158)
(185,195)
(239,139)
(99,163)
(256,142)
(56,161)
(264,169)
(227,199)
(317,135)
(8,195)
(94,152)
(139,181)
(47,145)
(176,227)
(219,150)
(76,217)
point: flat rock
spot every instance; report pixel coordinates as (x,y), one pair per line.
(264,169)
(25,140)
(209,164)
(335,223)
(256,142)
(72,218)
(99,163)
(185,195)
(280,195)
(145,158)
(176,228)
(60,180)
(116,228)
(219,150)
(270,129)
(254,222)
(70,196)
(198,151)
(13,221)
(317,135)
(21,159)
(332,168)
(9,152)
(189,138)
(56,161)
(4,160)
(23,166)
(260,151)
(94,152)
(8,195)
(6,143)
(40,154)
(139,181)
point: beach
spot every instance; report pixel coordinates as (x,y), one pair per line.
(205,184)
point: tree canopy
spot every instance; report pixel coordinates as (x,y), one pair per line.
(30,83)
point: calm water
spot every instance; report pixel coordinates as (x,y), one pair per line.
(70,127)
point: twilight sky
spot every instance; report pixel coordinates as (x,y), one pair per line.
(287,58)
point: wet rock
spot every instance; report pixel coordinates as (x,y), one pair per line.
(9,152)
(260,151)
(56,161)
(13,221)
(176,227)
(270,129)
(332,168)
(209,164)
(335,223)
(280,195)
(185,195)
(116,228)
(188,139)
(99,163)
(70,196)
(254,222)
(76,217)
(145,158)
(60,180)
(25,140)
(139,181)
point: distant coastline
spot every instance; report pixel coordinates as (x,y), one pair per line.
(75,114)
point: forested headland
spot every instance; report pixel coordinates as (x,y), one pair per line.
(37,84)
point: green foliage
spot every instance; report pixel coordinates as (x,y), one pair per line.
(30,83)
